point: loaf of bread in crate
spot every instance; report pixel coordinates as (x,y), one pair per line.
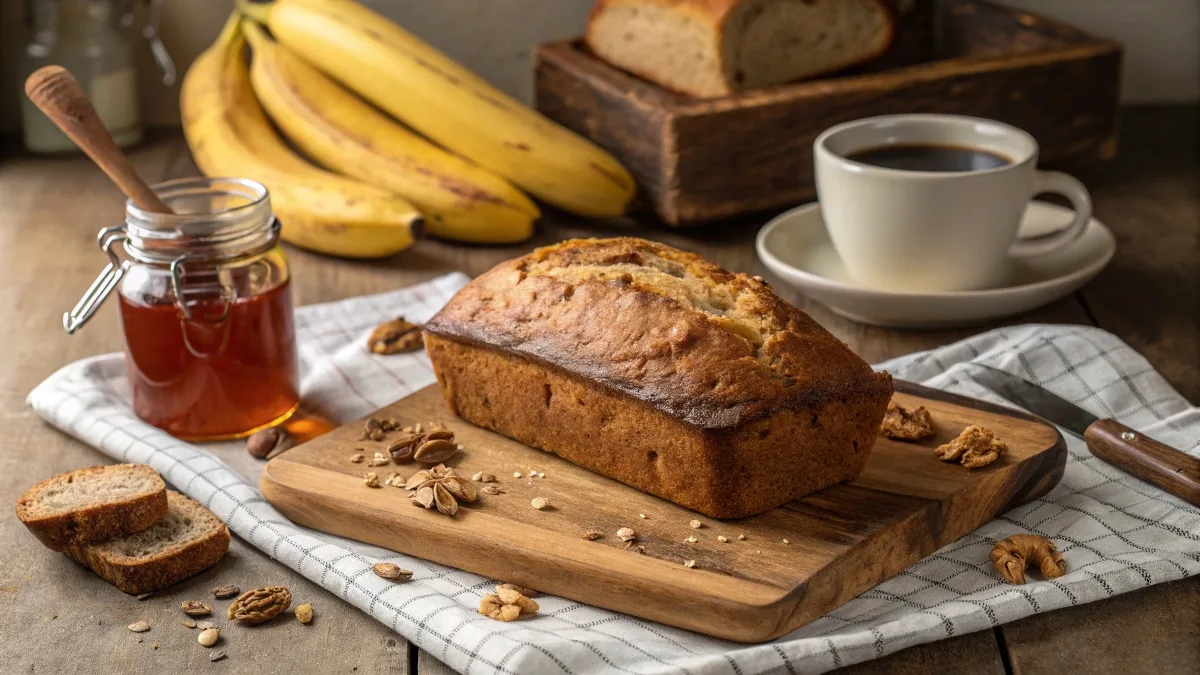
(710,48)
(658,368)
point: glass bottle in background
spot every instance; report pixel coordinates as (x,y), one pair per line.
(83,36)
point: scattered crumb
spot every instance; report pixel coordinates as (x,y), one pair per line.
(626,534)
(357,458)
(689,563)
(371,479)
(188,624)
(642,516)
(532,473)
(516,474)
(156,645)
(592,535)
(216,656)
(741,537)
(491,490)
(723,539)
(786,541)
(540,503)
(691,540)
(484,477)
(541,474)
(695,524)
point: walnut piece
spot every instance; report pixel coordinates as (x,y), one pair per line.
(1013,555)
(527,592)
(974,447)
(259,605)
(395,337)
(506,604)
(902,424)
(392,571)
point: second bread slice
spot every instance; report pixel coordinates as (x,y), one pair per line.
(93,504)
(187,541)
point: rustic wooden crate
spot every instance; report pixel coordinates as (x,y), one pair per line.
(700,160)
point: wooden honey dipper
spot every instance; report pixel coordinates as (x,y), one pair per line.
(57,93)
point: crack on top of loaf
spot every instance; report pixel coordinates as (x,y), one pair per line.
(729,301)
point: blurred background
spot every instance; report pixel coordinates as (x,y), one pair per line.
(494,38)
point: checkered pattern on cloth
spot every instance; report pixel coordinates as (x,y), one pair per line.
(1117,534)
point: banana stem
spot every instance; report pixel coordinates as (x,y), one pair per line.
(254,34)
(259,12)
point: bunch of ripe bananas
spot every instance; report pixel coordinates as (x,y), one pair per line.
(439,146)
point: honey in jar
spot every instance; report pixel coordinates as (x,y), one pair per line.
(206,310)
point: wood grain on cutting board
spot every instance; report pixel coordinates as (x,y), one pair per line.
(841,541)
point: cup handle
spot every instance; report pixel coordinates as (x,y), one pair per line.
(1059,183)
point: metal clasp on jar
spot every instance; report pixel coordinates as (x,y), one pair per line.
(103,285)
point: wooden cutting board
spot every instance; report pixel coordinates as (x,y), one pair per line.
(841,541)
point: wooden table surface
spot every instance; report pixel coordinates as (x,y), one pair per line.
(56,618)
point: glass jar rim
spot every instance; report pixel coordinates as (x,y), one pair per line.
(243,228)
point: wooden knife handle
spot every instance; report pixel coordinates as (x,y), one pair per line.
(57,93)
(1139,455)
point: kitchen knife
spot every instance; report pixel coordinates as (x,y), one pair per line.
(1128,450)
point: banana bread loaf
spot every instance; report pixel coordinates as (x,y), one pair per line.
(657,368)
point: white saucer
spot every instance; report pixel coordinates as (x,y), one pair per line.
(795,246)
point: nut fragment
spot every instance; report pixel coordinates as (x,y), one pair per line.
(395,337)
(356,458)
(395,480)
(1013,555)
(187,623)
(902,424)
(975,447)
(216,656)
(506,604)
(139,626)
(371,479)
(741,537)
(389,570)
(691,540)
(540,503)
(259,605)
(786,541)
(436,451)
(484,477)
(689,563)
(266,442)
(592,535)
(304,613)
(723,539)
(516,474)
(224,592)
(204,625)
(626,534)
(491,490)
(379,459)
(195,608)
(695,524)
(208,637)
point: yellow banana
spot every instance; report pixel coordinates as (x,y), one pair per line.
(449,104)
(230,136)
(460,199)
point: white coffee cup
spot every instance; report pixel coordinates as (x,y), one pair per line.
(935,230)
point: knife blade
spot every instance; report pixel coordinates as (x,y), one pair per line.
(1129,450)
(1035,399)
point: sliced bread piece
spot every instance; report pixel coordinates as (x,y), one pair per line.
(188,540)
(710,48)
(93,504)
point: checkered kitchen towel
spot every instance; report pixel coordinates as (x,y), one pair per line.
(1117,534)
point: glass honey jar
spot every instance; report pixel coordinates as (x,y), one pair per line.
(205,304)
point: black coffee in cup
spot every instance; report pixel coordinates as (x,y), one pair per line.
(923,157)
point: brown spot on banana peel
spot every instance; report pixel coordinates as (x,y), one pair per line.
(523,147)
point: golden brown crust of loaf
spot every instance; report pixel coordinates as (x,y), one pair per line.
(723,473)
(712,348)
